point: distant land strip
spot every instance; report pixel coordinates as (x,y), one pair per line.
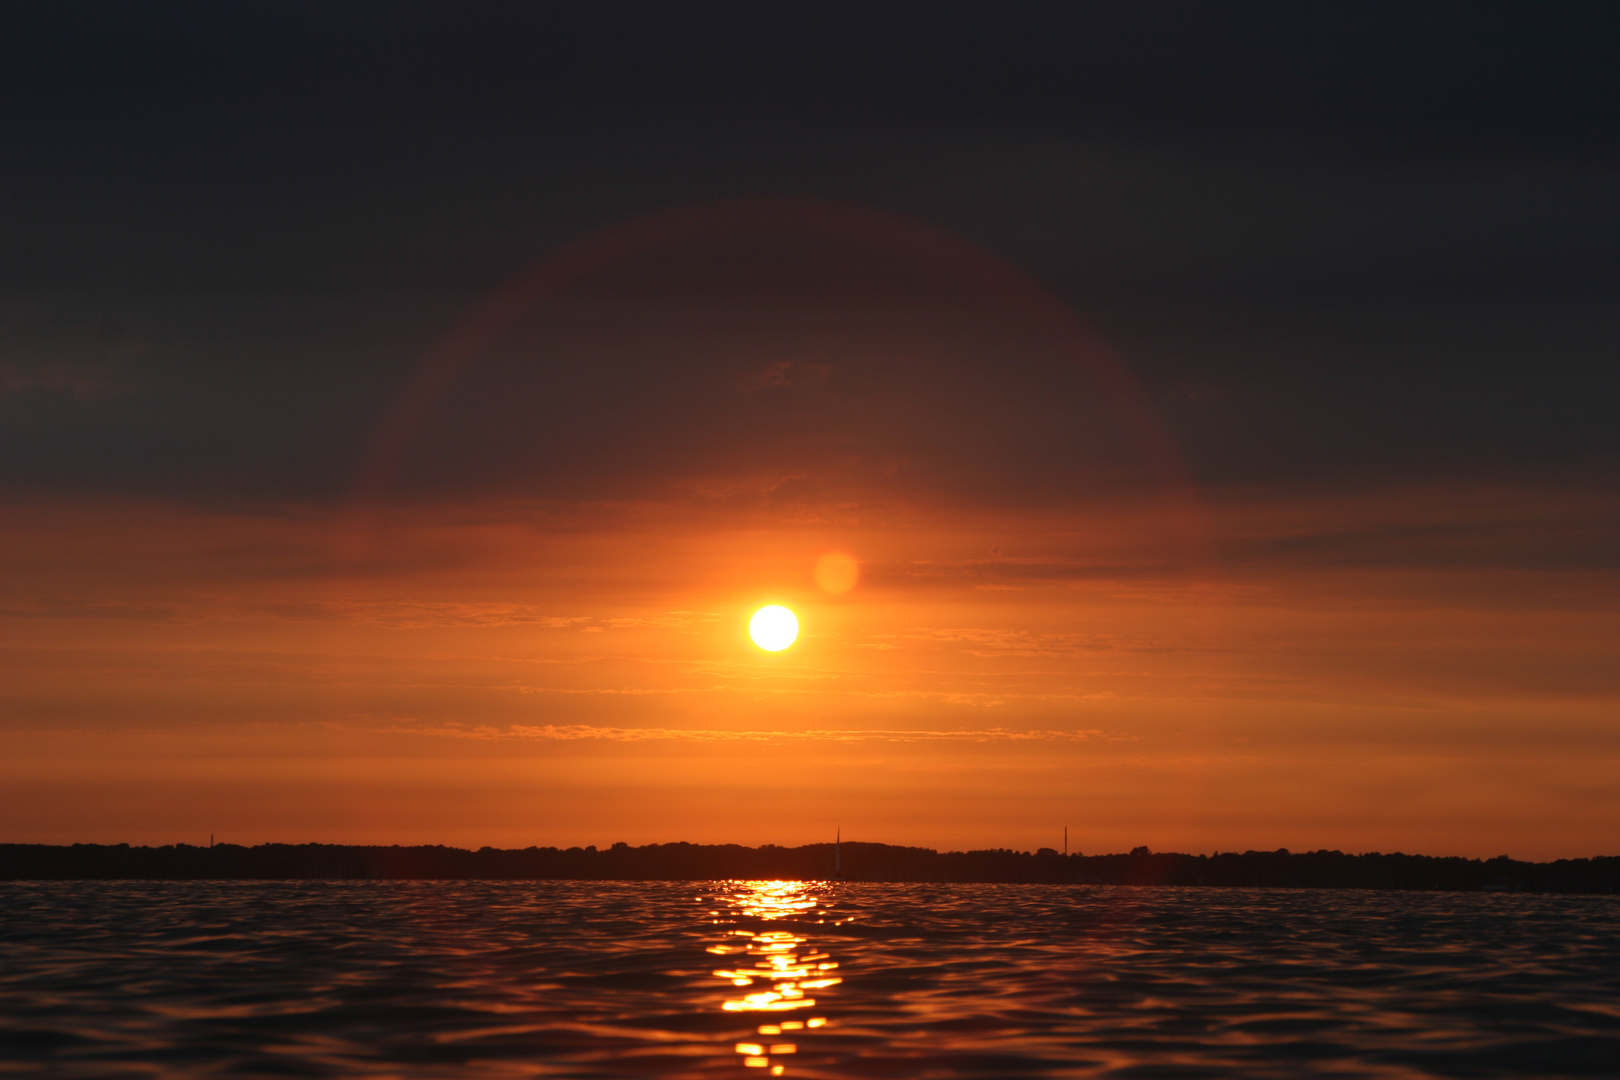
(858,861)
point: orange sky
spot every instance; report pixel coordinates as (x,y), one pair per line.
(527,625)
(173,672)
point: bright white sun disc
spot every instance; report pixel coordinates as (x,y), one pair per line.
(773,628)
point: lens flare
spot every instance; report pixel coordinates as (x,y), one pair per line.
(773,628)
(837,573)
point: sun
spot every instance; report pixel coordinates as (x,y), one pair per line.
(773,628)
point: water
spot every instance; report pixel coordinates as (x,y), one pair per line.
(604,979)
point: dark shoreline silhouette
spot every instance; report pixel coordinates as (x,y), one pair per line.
(861,862)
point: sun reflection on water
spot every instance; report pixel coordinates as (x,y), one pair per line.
(774,967)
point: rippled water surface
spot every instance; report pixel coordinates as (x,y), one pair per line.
(427,979)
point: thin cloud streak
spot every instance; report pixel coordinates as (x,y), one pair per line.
(577,732)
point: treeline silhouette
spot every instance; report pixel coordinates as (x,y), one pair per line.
(860,862)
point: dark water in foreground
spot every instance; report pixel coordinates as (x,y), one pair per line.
(428,979)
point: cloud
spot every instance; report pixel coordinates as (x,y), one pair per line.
(74,608)
(787,373)
(77,380)
(71,356)
(385,614)
(992,642)
(576,732)
(1425,525)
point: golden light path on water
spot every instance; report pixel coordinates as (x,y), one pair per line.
(782,960)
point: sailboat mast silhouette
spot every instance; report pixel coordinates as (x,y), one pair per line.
(838,853)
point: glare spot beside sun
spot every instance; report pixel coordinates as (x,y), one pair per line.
(773,628)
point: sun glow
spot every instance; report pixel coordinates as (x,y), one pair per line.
(773,628)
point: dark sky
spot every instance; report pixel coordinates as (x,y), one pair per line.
(1340,245)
